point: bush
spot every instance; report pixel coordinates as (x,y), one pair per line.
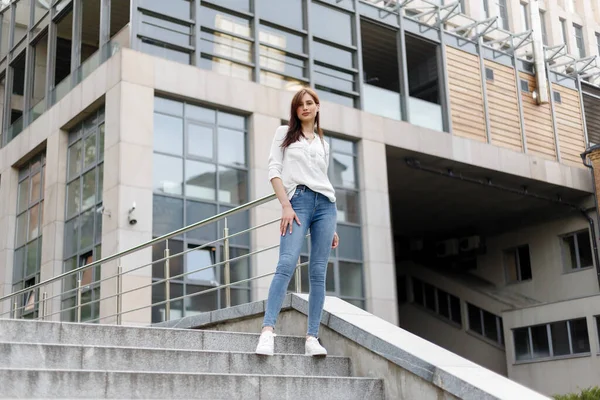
(592,393)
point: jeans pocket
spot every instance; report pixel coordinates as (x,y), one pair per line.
(296,194)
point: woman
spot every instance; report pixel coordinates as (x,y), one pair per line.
(298,173)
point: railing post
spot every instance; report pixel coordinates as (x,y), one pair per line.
(15,308)
(227,265)
(299,276)
(167,282)
(119,290)
(44,301)
(78,304)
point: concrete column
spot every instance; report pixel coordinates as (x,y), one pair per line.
(378,254)
(8,209)
(127,180)
(262,130)
(54,218)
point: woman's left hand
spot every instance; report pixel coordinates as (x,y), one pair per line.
(336,241)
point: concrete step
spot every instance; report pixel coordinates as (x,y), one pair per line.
(160,385)
(77,357)
(24,331)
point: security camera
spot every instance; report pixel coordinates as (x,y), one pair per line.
(131,217)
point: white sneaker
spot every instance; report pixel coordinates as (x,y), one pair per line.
(266,343)
(314,348)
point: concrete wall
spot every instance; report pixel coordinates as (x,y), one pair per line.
(551,281)
(562,376)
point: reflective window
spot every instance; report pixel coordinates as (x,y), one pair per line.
(329,95)
(332,55)
(285,13)
(202,171)
(331,24)
(165,31)
(485,324)
(28,242)
(280,38)
(177,8)
(552,340)
(83,225)
(220,44)
(161,50)
(333,78)
(577,251)
(436,300)
(225,22)
(4,34)
(238,5)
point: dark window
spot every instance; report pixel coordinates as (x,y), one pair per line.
(543,24)
(485,323)
(518,264)
(525,16)
(437,300)
(577,251)
(565,337)
(563,29)
(524,86)
(418,292)
(503,15)
(579,40)
(557,97)
(489,74)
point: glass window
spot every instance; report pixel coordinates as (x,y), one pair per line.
(232,185)
(350,242)
(177,8)
(165,31)
(282,39)
(522,344)
(443,304)
(518,264)
(334,78)
(168,134)
(197,211)
(232,149)
(168,174)
(539,337)
(200,140)
(347,206)
(168,106)
(279,61)
(331,24)
(577,251)
(474,319)
(328,95)
(238,5)
(560,338)
(332,55)
(455,309)
(579,336)
(285,13)
(351,279)
(343,170)
(222,21)
(200,180)
(167,215)
(418,292)
(279,81)
(161,50)
(226,46)
(226,67)
(83,228)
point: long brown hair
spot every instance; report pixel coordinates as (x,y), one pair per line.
(295,125)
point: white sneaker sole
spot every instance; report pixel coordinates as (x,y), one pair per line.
(263,352)
(320,354)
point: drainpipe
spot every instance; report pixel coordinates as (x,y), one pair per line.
(584,157)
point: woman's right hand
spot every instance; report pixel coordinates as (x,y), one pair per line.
(287,219)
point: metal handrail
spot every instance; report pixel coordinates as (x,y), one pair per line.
(133,249)
(41,304)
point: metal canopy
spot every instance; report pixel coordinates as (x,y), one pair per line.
(561,62)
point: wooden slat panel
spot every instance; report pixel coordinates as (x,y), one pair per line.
(569,124)
(466,99)
(505,124)
(538,123)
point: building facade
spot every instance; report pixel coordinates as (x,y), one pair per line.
(465,210)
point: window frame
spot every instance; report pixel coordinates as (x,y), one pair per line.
(551,356)
(415,282)
(577,256)
(501,342)
(515,252)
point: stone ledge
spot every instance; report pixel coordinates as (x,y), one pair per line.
(449,372)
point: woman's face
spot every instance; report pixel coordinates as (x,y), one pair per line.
(307,110)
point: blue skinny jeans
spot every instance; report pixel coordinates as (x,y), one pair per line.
(317,213)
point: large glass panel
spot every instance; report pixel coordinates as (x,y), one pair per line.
(227,46)
(167,215)
(89,157)
(334,79)
(236,223)
(196,212)
(383,102)
(522,344)
(333,55)
(71,236)
(200,180)
(539,336)
(282,39)
(168,134)
(177,8)
(34,222)
(36,187)
(443,304)
(200,113)
(22,14)
(19,264)
(175,263)
(279,61)
(232,185)
(73,198)
(168,106)
(351,279)
(41,9)
(168,174)
(23,195)
(347,206)
(285,13)
(232,121)
(75,160)
(585,250)
(225,22)
(165,31)
(232,147)
(330,24)
(101,142)
(100,193)
(279,81)
(579,336)
(560,338)
(21,230)
(490,326)
(89,189)
(87,230)
(197,261)
(201,303)
(239,269)
(4,35)
(200,141)
(342,146)
(343,173)
(238,5)
(32,265)
(425,114)
(350,242)
(328,95)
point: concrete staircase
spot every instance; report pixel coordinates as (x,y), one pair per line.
(63,360)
